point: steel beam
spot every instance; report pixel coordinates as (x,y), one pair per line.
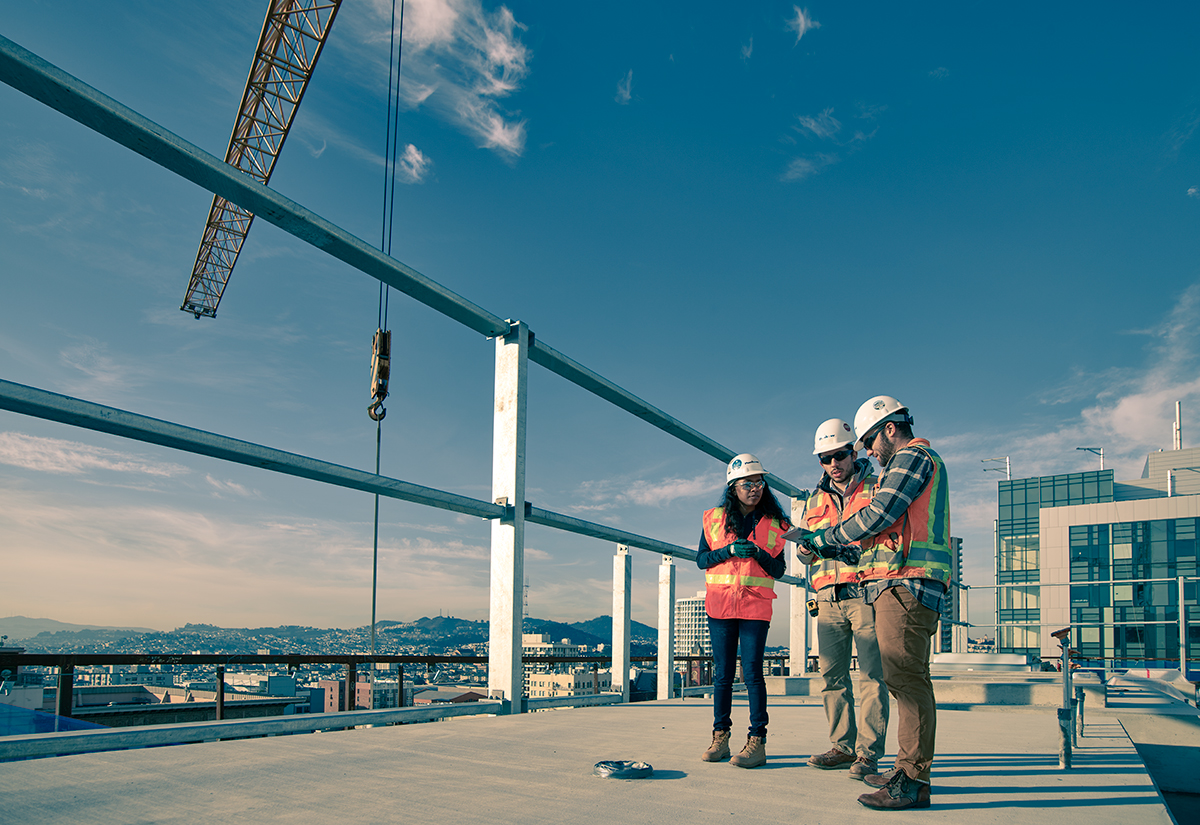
(66,410)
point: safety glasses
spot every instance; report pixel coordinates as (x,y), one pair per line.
(840,455)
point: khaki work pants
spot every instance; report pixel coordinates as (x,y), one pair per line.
(839,624)
(905,628)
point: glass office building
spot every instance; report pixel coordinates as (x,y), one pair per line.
(1104,557)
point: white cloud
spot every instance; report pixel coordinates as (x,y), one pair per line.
(460,61)
(1194,191)
(805,167)
(748,49)
(414,165)
(939,73)
(1181,132)
(625,89)
(1128,412)
(230,488)
(609,494)
(54,455)
(824,125)
(801,22)
(162,566)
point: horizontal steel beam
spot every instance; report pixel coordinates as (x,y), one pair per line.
(30,746)
(54,407)
(64,409)
(576,373)
(65,93)
(570,524)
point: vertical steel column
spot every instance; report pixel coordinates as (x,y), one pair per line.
(505,675)
(400,685)
(66,689)
(220,692)
(798,612)
(351,686)
(1183,634)
(666,628)
(622,581)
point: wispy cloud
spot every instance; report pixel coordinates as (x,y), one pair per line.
(939,73)
(608,494)
(460,62)
(828,129)
(801,168)
(1181,132)
(824,125)
(1129,412)
(1194,191)
(166,566)
(800,22)
(625,89)
(55,455)
(414,165)
(227,489)
(748,49)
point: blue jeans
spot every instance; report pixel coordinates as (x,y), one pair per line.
(726,635)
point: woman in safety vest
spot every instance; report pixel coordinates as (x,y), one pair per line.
(741,552)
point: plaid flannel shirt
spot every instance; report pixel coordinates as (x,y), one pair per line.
(902,481)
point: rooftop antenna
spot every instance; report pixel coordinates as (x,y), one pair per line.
(1007,466)
(1178,426)
(1097,450)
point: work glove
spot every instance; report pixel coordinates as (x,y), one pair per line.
(743,549)
(814,542)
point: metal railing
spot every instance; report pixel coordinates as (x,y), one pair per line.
(1181,621)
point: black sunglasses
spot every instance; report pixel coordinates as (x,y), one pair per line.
(869,439)
(840,455)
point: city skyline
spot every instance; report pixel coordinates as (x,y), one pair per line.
(989,219)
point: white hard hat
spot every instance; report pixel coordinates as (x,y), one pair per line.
(743,465)
(878,410)
(832,434)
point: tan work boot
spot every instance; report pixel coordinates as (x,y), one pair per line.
(753,755)
(719,749)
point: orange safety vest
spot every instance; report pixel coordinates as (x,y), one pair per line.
(822,513)
(740,588)
(916,545)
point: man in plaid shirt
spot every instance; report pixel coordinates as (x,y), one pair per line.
(907,526)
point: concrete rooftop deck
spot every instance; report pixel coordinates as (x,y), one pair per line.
(993,766)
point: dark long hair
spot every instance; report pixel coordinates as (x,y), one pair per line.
(768,505)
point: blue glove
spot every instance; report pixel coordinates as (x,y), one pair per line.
(743,549)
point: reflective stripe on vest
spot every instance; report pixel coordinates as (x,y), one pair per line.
(917,545)
(822,513)
(739,588)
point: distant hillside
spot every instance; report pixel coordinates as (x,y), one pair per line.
(18,628)
(601,627)
(427,635)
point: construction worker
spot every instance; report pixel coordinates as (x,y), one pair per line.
(905,535)
(843,616)
(741,552)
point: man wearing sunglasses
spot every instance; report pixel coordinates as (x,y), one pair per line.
(843,616)
(905,536)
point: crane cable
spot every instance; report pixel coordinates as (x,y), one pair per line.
(382,344)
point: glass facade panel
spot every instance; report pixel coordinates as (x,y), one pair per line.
(1017,557)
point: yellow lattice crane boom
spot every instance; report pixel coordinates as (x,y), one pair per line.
(293,36)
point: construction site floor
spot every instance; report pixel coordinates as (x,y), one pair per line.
(992,766)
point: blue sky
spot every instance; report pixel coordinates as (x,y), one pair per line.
(754,217)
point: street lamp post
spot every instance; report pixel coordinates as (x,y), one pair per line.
(1096,450)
